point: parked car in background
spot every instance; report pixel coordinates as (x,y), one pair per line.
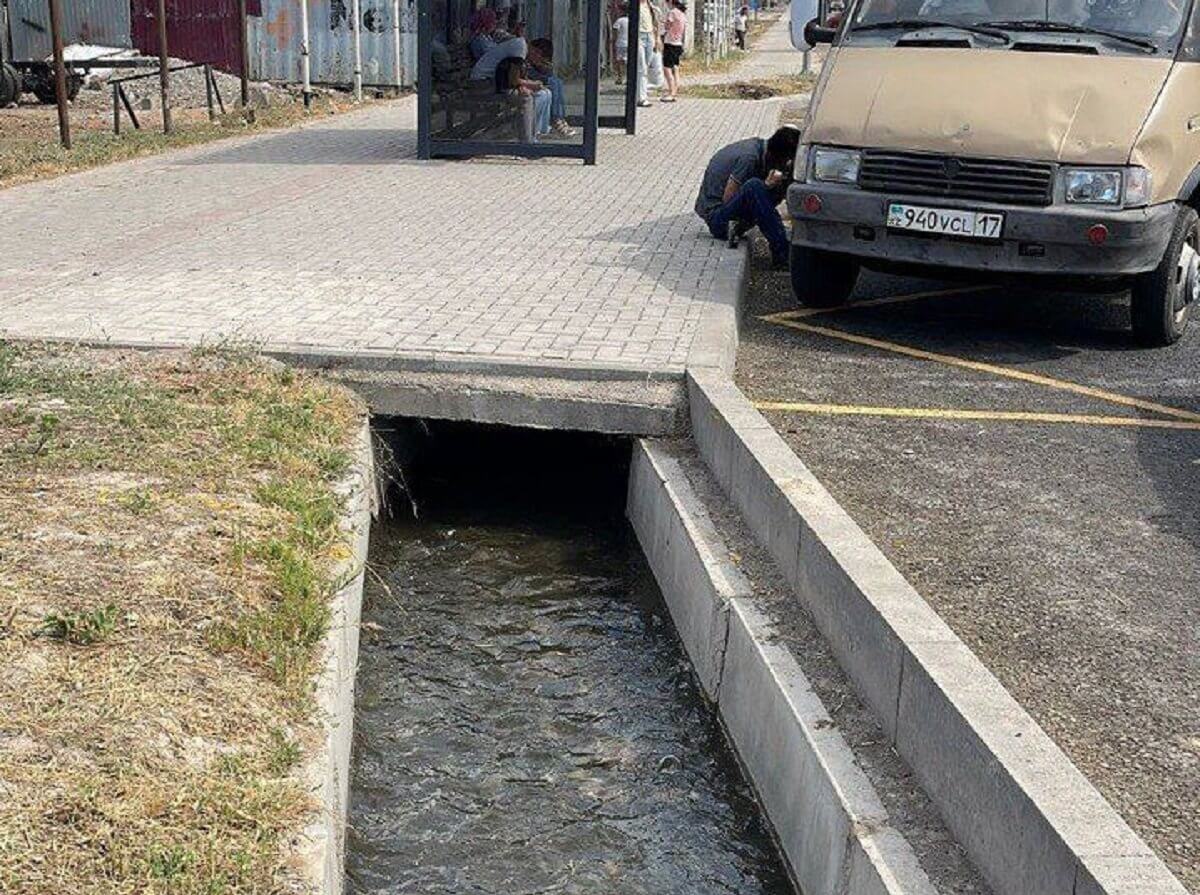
(1055,140)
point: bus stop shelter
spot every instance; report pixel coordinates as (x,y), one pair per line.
(465,110)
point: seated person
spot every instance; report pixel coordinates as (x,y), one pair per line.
(483,27)
(484,69)
(743,186)
(531,97)
(540,65)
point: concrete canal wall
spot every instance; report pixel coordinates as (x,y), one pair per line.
(321,850)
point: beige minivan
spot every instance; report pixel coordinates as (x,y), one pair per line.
(1054,141)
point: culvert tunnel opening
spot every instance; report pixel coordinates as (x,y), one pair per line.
(526,718)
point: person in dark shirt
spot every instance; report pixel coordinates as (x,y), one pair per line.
(743,186)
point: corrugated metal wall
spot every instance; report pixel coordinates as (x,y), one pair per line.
(275,39)
(207,31)
(99,22)
(198,30)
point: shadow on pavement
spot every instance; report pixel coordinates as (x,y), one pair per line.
(319,146)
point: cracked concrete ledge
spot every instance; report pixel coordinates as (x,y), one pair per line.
(1028,818)
(641,407)
(320,849)
(831,826)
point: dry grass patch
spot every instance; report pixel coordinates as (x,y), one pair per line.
(753,88)
(168,537)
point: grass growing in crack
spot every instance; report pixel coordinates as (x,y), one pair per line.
(199,487)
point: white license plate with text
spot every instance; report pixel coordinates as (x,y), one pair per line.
(945,221)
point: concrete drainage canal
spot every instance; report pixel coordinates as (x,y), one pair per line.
(526,718)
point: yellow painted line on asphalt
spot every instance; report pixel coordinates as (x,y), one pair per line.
(947,413)
(805,313)
(951,360)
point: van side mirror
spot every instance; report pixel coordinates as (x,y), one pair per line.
(800,12)
(816,33)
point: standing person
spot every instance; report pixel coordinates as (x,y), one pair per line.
(621,42)
(740,23)
(674,33)
(648,43)
(743,186)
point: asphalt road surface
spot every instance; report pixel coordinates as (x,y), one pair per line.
(1036,476)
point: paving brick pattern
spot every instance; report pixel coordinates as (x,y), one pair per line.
(334,237)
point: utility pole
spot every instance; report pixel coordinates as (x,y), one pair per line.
(164,69)
(244,43)
(356,35)
(305,62)
(60,73)
(396,43)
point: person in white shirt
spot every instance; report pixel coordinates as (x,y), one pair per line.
(621,43)
(485,68)
(649,43)
(740,23)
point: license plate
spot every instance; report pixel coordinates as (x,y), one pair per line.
(945,221)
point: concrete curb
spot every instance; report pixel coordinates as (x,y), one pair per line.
(374,360)
(831,825)
(716,342)
(1030,820)
(320,850)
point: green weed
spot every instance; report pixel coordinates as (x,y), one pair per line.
(82,628)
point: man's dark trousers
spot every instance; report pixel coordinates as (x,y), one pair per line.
(754,205)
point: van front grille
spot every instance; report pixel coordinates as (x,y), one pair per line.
(952,177)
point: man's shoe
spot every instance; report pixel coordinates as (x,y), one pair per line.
(562,128)
(737,229)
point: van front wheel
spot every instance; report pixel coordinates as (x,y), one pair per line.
(1163,299)
(822,279)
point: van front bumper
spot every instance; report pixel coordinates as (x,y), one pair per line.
(1052,240)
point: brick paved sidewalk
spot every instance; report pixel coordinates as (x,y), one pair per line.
(334,237)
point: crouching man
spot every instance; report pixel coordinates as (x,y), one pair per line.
(743,186)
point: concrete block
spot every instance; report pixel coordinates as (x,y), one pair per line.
(1126,875)
(1030,820)
(882,863)
(763,714)
(320,850)
(687,558)
(1046,828)
(717,417)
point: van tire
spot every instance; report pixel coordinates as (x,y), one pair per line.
(1159,307)
(822,279)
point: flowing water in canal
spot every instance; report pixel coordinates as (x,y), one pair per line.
(527,721)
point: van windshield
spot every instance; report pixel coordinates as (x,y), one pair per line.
(1156,23)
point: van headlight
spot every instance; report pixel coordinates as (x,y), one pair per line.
(1130,187)
(836,165)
